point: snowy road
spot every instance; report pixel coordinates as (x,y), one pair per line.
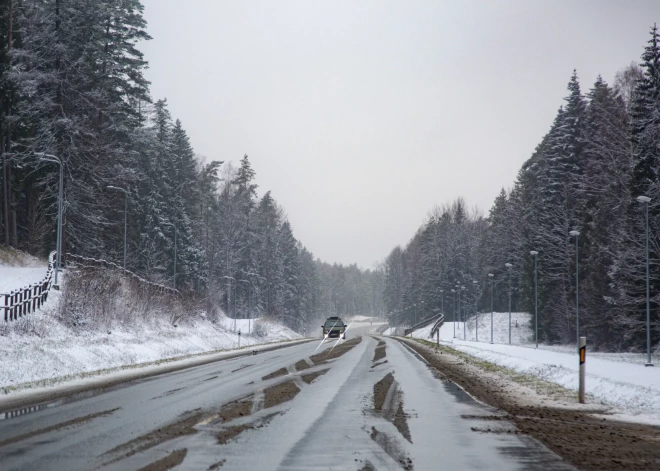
(368,404)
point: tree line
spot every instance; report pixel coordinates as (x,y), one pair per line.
(600,154)
(72,87)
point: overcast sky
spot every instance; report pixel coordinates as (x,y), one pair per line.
(360,116)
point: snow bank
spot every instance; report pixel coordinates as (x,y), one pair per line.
(38,347)
(631,388)
(617,380)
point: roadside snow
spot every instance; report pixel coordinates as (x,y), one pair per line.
(18,270)
(39,347)
(617,380)
(631,388)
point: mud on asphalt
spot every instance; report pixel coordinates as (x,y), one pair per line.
(584,440)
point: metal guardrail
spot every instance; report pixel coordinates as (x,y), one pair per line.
(424,323)
(437,325)
(99,263)
(23,301)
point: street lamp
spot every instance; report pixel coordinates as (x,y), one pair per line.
(645,200)
(249,273)
(170,224)
(460,313)
(492,292)
(476,314)
(229,279)
(249,286)
(58,244)
(576,234)
(454,316)
(534,253)
(508,266)
(442,301)
(125,216)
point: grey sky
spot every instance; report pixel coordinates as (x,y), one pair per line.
(360,116)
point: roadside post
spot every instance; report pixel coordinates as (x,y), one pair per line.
(583,356)
(239,338)
(437,333)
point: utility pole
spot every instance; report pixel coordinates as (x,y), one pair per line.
(534,253)
(492,292)
(508,266)
(576,234)
(645,200)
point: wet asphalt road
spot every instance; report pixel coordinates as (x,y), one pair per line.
(330,424)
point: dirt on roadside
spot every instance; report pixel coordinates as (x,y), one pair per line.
(280,393)
(381,389)
(335,352)
(170,461)
(302,365)
(275,374)
(235,409)
(310,377)
(584,440)
(379,353)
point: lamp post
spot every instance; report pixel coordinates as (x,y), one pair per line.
(229,280)
(442,301)
(58,244)
(576,234)
(476,314)
(492,292)
(170,224)
(125,216)
(645,200)
(454,316)
(249,273)
(249,284)
(459,310)
(534,253)
(508,266)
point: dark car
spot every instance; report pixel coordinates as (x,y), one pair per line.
(334,327)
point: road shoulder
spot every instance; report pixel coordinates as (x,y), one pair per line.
(579,433)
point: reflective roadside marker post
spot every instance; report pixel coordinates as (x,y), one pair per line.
(239,338)
(583,356)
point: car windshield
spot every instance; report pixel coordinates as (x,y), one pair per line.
(334,322)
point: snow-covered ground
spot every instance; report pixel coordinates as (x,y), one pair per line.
(520,329)
(18,270)
(620,381)
(44,349)
(41,348)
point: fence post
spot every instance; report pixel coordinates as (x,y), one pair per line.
(583,357)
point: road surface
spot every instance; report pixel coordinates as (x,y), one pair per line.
(369,403)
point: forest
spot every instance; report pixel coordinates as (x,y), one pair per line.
(73,93)
(601,153)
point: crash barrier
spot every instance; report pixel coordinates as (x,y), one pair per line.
(424,323)
(382,328)
(99,263)
(437,325)
(23,301)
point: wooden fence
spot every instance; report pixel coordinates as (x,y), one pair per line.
(23,301)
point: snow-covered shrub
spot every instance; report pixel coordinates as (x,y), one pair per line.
(101,297)
(259,329)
